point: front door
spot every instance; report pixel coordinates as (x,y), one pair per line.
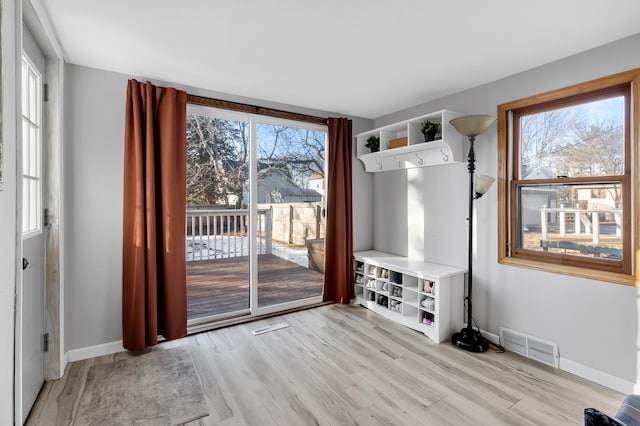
(30,323)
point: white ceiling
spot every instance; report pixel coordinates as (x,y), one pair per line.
(364,58)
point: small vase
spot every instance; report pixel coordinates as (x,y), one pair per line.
(430,137)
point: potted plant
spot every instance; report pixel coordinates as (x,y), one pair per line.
(430,129)
(373,143)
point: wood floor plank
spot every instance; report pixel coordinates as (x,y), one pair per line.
(345,365)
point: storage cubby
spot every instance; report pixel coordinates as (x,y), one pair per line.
(396,277)
(412,150)
(424,296)
(395,291)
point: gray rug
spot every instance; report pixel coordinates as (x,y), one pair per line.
(160,387)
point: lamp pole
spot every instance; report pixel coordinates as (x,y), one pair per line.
(471,126)
(471,166)
(468,338)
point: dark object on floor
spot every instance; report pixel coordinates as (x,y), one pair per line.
(628,414)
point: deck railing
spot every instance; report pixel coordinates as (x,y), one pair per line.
(223,233)
(587,218)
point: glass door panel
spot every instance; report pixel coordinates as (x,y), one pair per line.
(290,171)
(217,243)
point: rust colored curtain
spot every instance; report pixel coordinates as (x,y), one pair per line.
(339,227)
(154,294)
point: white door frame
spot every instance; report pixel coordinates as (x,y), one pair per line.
(41,29)
(33,15)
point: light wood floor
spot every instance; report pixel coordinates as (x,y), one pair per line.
(341,365)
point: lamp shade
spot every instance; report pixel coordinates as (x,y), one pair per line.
(483,183)
(472,125)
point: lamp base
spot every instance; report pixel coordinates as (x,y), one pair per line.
(470,340)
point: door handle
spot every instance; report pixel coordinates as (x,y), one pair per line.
(25,263)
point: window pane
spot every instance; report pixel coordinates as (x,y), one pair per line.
(217,155)
(25,92)
(297,154)
(25,205)
(33,97)
(34,152)
(31,149)
(580,219)
(26,152)
(34,223)
(575,141)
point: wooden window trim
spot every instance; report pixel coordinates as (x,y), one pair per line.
(632,277)
(253,109)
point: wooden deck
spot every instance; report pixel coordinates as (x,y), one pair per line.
(609,246)
(222,285)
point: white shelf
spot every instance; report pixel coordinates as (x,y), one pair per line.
(448,292)
(417,152)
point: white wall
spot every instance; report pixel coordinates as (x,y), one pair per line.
(8,227)
(594,323)
(93,162)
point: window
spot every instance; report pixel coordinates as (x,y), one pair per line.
(31,148)
(566,164)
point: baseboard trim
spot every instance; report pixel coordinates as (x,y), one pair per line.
(94,351)
(612,382)
(608,380)
(493,338)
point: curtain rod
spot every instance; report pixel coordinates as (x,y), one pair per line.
(252,109)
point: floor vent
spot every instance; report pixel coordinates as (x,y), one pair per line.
(540,350)
(269,328)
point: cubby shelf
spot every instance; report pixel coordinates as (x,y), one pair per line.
(416,153)
(418,281)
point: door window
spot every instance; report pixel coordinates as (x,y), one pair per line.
(31,148)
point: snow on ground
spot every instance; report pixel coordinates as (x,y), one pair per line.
(218,247)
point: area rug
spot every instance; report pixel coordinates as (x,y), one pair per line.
(160,387)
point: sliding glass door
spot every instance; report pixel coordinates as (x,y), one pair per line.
(255,214)
(217,246)
(290,201)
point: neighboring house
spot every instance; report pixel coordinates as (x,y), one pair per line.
(534,198)
(585,197)
(274,187)
(316,182)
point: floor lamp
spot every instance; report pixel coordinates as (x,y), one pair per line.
(472,126)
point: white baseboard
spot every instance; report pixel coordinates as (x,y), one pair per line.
(493,338)
(613,382)
(94,351)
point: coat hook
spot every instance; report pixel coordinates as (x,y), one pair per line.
(420,160)
(445,157)
(379,164)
